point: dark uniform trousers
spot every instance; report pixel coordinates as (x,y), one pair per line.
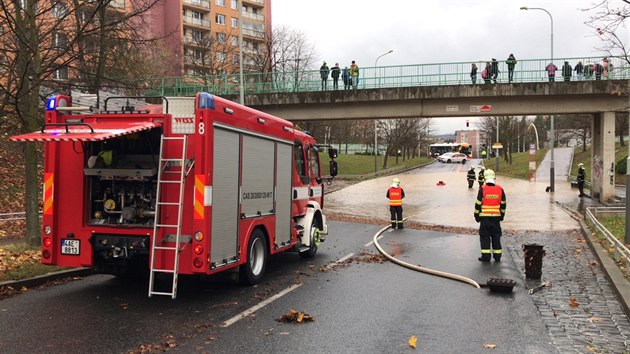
(490,237)
(397,219)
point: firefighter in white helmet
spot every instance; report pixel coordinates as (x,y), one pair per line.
(395,193)
(489,212)
(471,177)
(581,176)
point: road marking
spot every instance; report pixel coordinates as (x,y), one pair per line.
(340,260)
(260,305)
(372,242)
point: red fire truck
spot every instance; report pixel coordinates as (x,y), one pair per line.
(196,185)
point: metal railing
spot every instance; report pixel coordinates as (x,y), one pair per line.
(620,252)
(12,216)
(458,73)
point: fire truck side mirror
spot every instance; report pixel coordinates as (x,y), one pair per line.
(333,168)
(332,153)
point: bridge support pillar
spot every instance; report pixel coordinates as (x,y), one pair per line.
(603,157)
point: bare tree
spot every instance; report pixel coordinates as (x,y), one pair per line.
(41,44)
(399,134)
(609,22)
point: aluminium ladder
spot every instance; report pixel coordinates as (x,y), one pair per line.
(158,246)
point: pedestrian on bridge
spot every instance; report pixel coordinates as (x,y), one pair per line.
(579,71)
(334,73)
(486,73)
(551,71)
(473,73)
(580,179)
(323,72)
(471,176)
(495,70)
(489,212)
(480,177)
(345,76)
(567,70)
(354,75)
(395,193)
(511,63)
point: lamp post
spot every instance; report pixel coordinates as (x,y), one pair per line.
(241,89)
(552,140)
(375,121)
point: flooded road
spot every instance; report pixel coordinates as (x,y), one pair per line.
(529,206)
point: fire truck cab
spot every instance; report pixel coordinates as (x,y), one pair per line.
(196,185)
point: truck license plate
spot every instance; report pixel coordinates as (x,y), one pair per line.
(70,246)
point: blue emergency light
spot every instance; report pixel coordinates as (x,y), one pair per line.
(51,104)
(205,100)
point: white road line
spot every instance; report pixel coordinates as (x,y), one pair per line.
(260,305)
(340,260)
(372,242)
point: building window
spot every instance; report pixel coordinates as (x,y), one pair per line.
(61,73)
(220,2)
(234,41)
(197,54)
(221,57)
(220,19)
(196,2)
(234,22)
(196,15)
(60,40)
(197,36)
(60,10)
(235,58)
(234,4)
(221,38)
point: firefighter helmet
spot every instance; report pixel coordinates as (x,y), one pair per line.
(396,180)
(472,167)
(489,174)
(580,165)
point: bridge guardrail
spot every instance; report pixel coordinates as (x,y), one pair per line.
(438,74)
(620,252)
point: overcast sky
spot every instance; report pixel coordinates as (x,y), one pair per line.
(421,31)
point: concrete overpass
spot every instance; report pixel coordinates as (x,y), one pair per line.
(600,98)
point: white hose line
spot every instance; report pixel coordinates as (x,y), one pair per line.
(421,268)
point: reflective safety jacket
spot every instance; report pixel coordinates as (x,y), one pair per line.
(471,175)
(491,202)
(395,195)
(581,174)
(481,177)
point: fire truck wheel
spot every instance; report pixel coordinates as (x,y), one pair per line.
(312,250)
(253,270)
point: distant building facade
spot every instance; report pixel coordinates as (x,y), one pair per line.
(474,137)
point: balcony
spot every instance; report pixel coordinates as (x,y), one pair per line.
(253,16)
(199,4)
(259,35)
(196,22)
(256,3)
(118,4)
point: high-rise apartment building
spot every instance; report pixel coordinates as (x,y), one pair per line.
(201,36)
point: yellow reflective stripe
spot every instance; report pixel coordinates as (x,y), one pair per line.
(485,251)
(497,251)
(476,211)
(478,202)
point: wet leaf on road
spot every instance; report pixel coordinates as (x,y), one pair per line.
(595,319)
(296,316)
(573,302)
(490,346)
(412,342)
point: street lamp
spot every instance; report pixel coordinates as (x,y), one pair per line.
(240,52)
(552,140)
(375,128)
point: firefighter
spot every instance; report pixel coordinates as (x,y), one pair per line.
(489,212)
(481,177)
(395,193)
(471,176)
(580,179)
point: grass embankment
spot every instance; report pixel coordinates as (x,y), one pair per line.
(350,166)
(20,261)
(519,168)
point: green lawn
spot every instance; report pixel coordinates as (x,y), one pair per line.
(356,165)
(520,164)
(616,224)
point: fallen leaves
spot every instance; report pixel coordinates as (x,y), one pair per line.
(10,260)
(296,316)
(573,302)
(413,341)
(490,346)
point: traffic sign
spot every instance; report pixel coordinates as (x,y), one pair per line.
(486,108)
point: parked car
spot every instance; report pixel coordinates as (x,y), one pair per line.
(453,157)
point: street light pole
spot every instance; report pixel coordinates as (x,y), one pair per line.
(552,140)
(241,89)
(375,120)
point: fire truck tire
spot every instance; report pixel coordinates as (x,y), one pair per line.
(252,271)
(312,250)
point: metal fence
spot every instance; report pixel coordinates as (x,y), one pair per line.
(456,73)
(620,253)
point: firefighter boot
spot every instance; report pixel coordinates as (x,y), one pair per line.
(484,258)
(393,225)
(400,225)
(497,257)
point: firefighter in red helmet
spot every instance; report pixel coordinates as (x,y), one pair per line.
(489,212)
(395,193)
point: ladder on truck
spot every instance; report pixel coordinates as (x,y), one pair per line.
(174,165)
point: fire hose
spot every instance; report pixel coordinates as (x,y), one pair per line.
(420,268)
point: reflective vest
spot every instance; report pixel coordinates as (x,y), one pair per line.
(395,196)
(491,202)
